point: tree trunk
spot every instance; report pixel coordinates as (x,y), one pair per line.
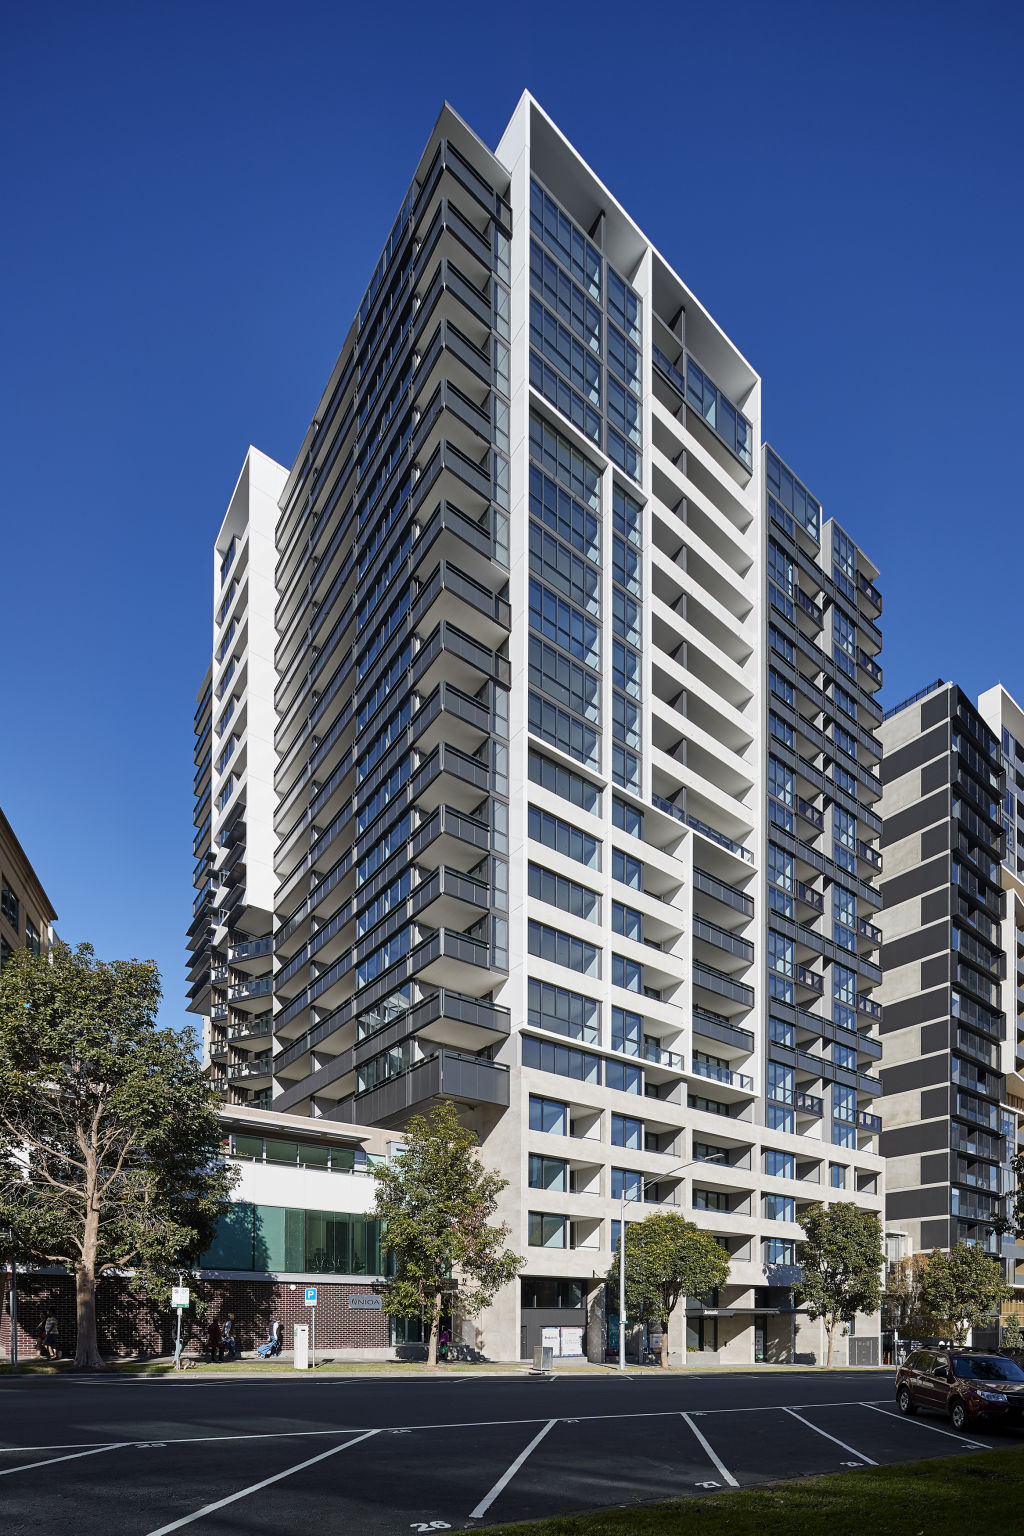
(87,1351)
(831,1342)
(664,1343)
(435,1328)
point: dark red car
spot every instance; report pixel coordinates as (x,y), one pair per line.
(965,1383)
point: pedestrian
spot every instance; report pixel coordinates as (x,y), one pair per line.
(229,1338)
(51,1336)
(213,1339)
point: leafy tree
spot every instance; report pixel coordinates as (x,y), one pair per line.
(1013,1337)
(667,1259)
(109,1136)
(842,1261)
(901,1300)
(961,1288)
(436,1200)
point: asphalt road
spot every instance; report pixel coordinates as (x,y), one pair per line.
(287,1456)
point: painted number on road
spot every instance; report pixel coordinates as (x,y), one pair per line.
(707,1485)
(430,1525)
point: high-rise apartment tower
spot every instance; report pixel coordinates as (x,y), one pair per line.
(545,621)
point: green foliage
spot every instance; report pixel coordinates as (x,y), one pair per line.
(109,1136)
(667,1259)
(1013,1336)
(902,1309)
(436,1200)
(842,1260)
(961,1289)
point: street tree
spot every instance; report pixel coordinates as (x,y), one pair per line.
(902,1310)
(436,1200)
(841,1259)
(1013,1336)
(667,1259)
(109,1137)
(962,1288)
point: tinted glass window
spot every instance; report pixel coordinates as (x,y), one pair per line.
(987,1368)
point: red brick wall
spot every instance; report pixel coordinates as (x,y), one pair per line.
(129,1324)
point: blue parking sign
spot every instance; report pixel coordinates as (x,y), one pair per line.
(310,1295)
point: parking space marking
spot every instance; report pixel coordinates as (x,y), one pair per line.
(209,1509)
(506,1477)
(923,1424)
(719,1464)
(824,1432)
(117,1445)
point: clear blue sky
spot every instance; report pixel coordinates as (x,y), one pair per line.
(195,194)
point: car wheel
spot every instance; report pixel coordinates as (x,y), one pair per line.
(958,1413)
(905,1402)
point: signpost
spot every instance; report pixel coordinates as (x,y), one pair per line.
(311,1303)
(180,1299)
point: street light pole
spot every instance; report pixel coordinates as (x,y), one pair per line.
(622,1241)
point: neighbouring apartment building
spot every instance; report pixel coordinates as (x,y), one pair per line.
(953,925)
(564,692)
(26,916)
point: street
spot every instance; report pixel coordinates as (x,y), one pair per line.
(274,1455)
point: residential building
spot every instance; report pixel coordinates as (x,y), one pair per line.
(230,939)
(521,711)
(1005,718)
(26,916)
(821,869)
(950,915)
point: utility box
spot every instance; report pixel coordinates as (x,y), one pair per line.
(543,1356)
(301,1346)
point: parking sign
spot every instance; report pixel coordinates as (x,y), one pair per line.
(310,1295)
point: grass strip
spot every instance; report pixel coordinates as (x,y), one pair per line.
(925,1498)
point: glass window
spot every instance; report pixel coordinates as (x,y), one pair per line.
(549,1115)
(779,1208)
(567,1013)
(564,783)
(569,896)
(546,1056)
(627,973)
(780,1165)
(32,941)
(564,838)
(547,1231)
(627,1032)
(627,1132)
(627,818)
(837,1175)
(628,1183)
(548,1173)
(563,949)
(778,1250)
(628,922)
(627,870)
(780,1082)
(624,1076)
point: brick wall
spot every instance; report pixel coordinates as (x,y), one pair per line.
(130,1324)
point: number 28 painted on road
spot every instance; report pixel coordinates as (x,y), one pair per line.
(430,1525)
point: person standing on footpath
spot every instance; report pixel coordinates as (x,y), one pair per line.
(51,1337)
(213,1339)
(229,1338)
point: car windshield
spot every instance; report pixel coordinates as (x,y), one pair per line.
(988,1368)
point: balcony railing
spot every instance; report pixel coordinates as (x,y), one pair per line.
(872,1010)
(259,987)
(723,1075)
(250,951)
(661,804)
(809,979)
(808,1104)
(662,1057)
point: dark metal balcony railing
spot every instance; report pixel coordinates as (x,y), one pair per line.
(724,1075)
(252,950)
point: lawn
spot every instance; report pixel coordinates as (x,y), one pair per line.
(927,1498)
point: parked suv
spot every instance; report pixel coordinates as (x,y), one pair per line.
(965,1383)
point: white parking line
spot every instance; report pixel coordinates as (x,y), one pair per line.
(720,1465)
(824,1432)
(950,1434)
(506,1477)
(341,1429)
(52,1460)
(209,1509)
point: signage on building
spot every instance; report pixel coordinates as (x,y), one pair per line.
(179,1296)
(365,1303)
(310,1295)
